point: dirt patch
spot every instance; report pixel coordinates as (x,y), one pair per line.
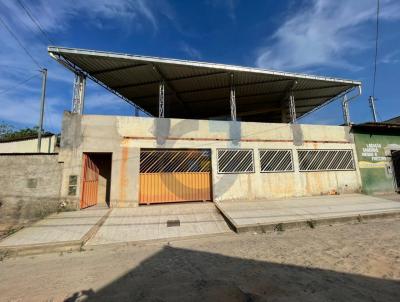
(357,262)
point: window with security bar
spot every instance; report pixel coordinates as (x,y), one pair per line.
(276,160)
(235,161)
(326,160)
(173,161)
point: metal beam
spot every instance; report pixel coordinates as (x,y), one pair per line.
(170,87)
(152,96)
(169,80)
(78,96)
(161,104)
(72,67)
(232,98)
(117,69)
(292,109)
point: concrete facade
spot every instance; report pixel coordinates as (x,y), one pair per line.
(125,136)
(30,187)
(48,145)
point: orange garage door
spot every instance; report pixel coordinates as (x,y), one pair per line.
(174,175)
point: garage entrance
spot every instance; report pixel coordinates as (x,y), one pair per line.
(96,179)
(396,168)
(174,175)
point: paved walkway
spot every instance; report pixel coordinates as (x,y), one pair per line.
(245,215)
(150,223)
(56,228)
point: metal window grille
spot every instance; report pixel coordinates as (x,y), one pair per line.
(235,161)
(325,160)
(170,161)
(276,160)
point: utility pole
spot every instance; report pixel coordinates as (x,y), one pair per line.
(373,109)
(42,100)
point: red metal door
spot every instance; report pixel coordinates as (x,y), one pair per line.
(90,182)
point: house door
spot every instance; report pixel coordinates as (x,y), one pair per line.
(90,182)
(396,168)
(174,175)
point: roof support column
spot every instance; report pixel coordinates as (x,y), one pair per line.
(78,95)
(345,108)
(161,96)
(292,108)
(233,98)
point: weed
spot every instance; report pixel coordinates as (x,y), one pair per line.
(279,227)
(359,219)
(3,255)
(81,248)
(311,223)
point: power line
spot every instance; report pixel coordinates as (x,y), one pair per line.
(17,85)
(376,47)
(20,43)
(35,21)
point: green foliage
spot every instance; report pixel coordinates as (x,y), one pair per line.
(10,132)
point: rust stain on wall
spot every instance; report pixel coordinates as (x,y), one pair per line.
(123,180)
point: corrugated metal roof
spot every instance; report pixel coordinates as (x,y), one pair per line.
(199,89)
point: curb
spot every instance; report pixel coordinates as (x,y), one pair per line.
(311,223)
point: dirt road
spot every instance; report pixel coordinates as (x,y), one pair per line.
(359,262)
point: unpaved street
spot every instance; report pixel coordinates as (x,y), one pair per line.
(354,262)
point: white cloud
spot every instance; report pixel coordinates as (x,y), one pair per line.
(391,57)
(20,105)
(324,33)
(228,5)
(190,51)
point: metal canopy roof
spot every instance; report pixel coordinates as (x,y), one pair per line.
(201,90)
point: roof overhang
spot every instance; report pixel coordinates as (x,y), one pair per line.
(201,90)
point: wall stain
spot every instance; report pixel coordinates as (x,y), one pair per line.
(123,179)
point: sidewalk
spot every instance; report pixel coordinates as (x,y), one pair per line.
(295,212)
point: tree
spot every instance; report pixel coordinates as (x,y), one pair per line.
(5,129)
(10,132)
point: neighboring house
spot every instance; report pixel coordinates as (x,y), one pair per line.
(29,144)
(29,181)
(378,152)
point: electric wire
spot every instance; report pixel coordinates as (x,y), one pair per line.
(17,85)
(376,47)
(19,42)
(35,21)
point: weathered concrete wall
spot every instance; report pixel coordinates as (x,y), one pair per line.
(124,136)
(374,155)
(30,187)
(48,145)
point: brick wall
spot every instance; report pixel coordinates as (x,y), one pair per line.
(30,187)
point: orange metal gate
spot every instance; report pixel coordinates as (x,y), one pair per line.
(90,183)
(174,176)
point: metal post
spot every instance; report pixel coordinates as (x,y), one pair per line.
(161,100)
(292,108)
(42,100)
(345,107)
(78,96)
(233,99)
(373,109)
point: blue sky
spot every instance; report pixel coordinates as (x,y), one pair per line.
(324,37)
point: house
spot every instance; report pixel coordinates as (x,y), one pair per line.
(29,144)
(378,153)
(213,132)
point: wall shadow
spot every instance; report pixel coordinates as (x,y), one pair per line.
(176,274)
